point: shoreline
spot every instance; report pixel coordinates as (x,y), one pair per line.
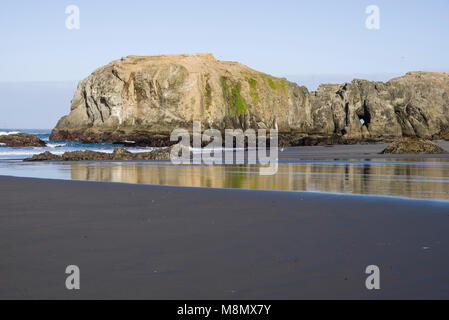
(337,151)
(157,242)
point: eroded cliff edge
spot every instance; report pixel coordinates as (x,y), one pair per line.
(143,99)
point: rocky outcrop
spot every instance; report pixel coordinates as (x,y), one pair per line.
(142,99)
(44,156)
(413,146)
(21,140)
(119,154)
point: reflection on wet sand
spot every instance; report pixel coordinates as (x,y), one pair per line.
(425,179)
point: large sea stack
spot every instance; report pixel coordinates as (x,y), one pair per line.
(143,99)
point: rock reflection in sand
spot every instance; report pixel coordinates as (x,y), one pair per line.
(423,178)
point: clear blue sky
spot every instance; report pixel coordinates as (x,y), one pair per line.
(279,37)
(283,37)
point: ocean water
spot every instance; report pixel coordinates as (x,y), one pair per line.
(55,147)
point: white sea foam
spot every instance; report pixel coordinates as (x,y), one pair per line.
(3,133)
(59,151)
(56,145)
(21,153)
(2,144)
(149,149)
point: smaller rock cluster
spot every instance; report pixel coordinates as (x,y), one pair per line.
(21,140)
(413,146)
(119,154)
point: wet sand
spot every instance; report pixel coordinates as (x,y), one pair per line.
(156,242)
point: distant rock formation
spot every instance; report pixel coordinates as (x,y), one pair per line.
(142,99)
(413,146)
(21,140)
(119,154)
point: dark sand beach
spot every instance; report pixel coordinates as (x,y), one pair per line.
(157,242)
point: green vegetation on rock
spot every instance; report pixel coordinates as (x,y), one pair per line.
(252,83)
(253,90)
(276,83)
(208,95)
(272,84)
(232,96)
(284,87)
(135,61)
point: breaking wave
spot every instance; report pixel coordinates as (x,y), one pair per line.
(5,133)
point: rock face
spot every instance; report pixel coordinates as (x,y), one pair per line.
(21,140)
(142,99)
(413,146)
(119,154)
